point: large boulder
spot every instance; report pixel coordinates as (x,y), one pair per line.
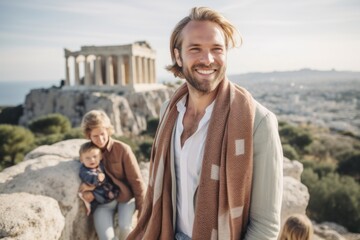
(27,216)
(295,195)
(52,171)
(292,169)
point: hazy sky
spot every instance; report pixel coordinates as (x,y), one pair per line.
(277,34)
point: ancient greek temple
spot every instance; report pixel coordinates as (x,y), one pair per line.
(110,67)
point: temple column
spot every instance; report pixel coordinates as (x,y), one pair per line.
(154,73)
(132,70)
(67,73)
(77,72)
(120,70)
(145,70)
(109,71)
(98,75)
(139,69)
(152,70)
(87,72)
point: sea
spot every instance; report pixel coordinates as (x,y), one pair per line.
(14,93)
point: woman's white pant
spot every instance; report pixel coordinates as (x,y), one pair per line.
(104,219)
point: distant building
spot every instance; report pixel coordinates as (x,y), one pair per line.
(123,67)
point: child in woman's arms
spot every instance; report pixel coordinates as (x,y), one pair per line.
(99,188)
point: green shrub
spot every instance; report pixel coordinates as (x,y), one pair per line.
(333,198)
(351,166)
(11,115)
(145,149)
(48,139)
(299,138)
(74,133)
(15,141)
(152,125)
(322,169)
(54,123)
(290,152)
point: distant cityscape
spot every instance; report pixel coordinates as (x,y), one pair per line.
(323,98)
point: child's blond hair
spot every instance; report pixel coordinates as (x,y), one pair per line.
(297,227)
(94,119)
(88,146)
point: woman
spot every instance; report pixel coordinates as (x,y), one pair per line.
(121,166)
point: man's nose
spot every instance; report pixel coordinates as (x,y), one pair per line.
(207,58)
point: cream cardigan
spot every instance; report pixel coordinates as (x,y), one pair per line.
(266,191)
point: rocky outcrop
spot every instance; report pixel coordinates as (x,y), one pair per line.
(296,195)
(128,111)
(52,172)
(47,174)
(27,216)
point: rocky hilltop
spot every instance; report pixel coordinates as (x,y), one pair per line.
(128,111)
(39,195)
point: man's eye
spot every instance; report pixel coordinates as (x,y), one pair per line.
(218,50)
(194,49)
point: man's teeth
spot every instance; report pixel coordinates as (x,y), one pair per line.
(205,71)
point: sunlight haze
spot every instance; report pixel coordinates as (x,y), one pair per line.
(277,35)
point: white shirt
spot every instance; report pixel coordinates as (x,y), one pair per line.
(267,182)
(188,163)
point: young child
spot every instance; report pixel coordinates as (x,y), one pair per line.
(297,227)
(92,173)
(122,168)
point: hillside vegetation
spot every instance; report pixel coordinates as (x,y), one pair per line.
(331,160)
(331,171)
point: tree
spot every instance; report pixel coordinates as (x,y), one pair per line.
(11,115)
(48,139)
(15,141)
(298,137)
(145,149)
(351,166)
(74,133)
(152,125)
(50,124)
(290,152)
(333,198)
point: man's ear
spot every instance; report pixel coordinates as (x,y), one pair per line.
(177,57)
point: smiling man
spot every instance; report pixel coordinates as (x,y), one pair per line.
(216,165)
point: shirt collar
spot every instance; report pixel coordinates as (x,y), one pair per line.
(181,105)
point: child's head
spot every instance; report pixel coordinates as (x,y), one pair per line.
(90,155)
(97,127)
(297,227)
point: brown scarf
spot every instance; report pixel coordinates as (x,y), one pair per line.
(223,195)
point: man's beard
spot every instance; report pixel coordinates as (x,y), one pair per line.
(204,86)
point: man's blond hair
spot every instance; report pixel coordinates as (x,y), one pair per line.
(232,36)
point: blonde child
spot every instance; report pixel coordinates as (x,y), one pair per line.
(92,173)
(297,227)
(122,168)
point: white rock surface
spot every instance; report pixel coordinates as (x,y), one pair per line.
(55,176)
(127,111)
(292,169)
(27,216)
(52,171)
(296,195)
